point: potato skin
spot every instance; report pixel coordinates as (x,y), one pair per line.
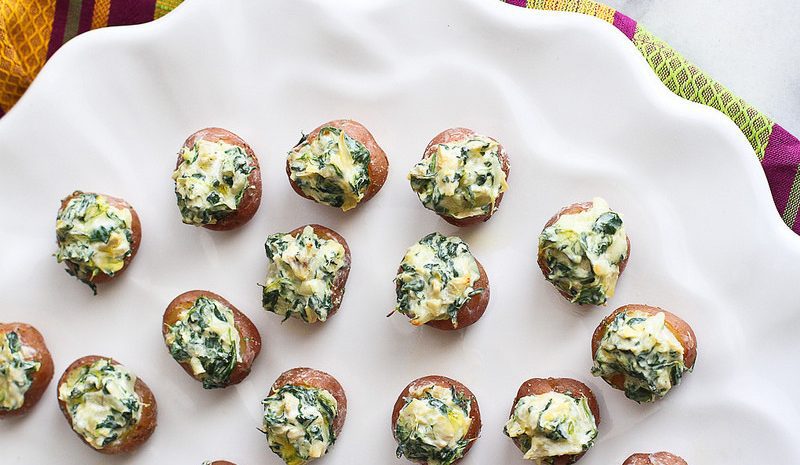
(378,168)
(442,381)
(312,378)
(472,310)
(143,429)
(658,458)
(340,280)
(567,386)
(250,337)
(682,331)
(31,337)
(455,135)
(571,210)
(136,235)
(251,199)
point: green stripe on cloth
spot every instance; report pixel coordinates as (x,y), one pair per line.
(790,214)
(73,20)
(165,6)
(688,81)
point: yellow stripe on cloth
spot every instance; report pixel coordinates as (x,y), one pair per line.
(100,14)
(25,28)
(587,7)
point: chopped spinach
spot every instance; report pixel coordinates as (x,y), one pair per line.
(211,181)
(460,179)
(93,236)
(301,275)
(298,422)
(440,268)
(206,337)
(16,371)
(332,169)
(642,349)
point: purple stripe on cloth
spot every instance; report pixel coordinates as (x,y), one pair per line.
(87,10)
(59,25)
(781,158)
(522,3)
(131,12)
(625,24)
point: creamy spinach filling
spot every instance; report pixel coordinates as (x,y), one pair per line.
(550,425)
(94,236)
(211,180)
(643,349)
(205,337)
(298,423)
(583,252)
(460,179)
(333,168)
(301,274)
(436,279)
(102,402)
(17,369)
(432,425)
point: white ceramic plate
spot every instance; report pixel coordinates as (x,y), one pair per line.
(580,114)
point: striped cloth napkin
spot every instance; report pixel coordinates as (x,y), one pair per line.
(32,30)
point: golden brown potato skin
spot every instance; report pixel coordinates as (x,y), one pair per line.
(459,134)
(140,433)
(442,381)
(250,345)
(472,310)
(312,378)
(31,337)
(251,199)
(567,386)
(378,168)
(136,235)
(658,458)
(682,331)
(571,210)
(340,280)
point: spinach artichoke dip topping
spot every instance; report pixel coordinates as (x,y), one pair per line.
(93,235)
(433,424)
(550,425)
(332,169)
(583,252)
(205,337)
(102,402)
(211,180)
(298,423)
(641,347)
(460,179)
(17,368)
(301,274)
(436,279)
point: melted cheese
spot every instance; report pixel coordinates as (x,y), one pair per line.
(301,274)
(102,402)
(298,428)
(206,334)
(16,371)
(642,348)
(432,280)
(556,424)
(332,168)
(578,242)
(461,179)
(211,180)
(93,235)
(427,423)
